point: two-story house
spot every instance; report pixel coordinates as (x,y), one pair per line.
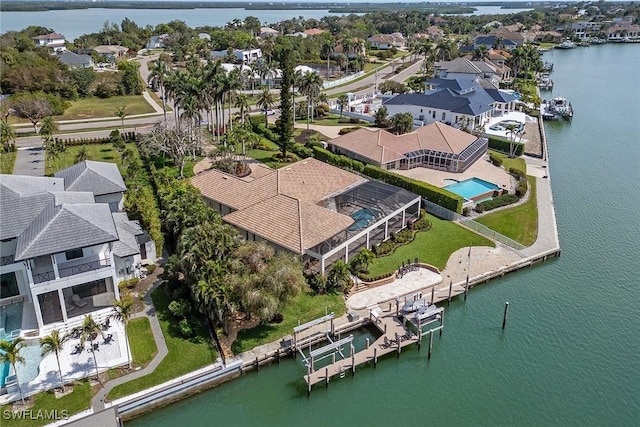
(63,252)
(53,41)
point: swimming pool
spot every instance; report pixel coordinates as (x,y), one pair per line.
(363,218)
(473,188)
(28,371)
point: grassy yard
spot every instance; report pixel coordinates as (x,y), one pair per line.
(98,152)
(304,308)
(143,346)
(332,120)
(185,355)
(94,107)
(7,161)
(432,247)
(265,156)
(157,98)
(519,223)
(72,403)
(508,163)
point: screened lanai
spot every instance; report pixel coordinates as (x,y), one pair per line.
(377,209)
(452,162)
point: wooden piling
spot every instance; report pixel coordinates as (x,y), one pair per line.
(506,313)
(398,343)
(353,361)
(375,357)
(433,293)
(450,288)
(257,364)
(430,343)
(326,373)
(278,356)
(369,343)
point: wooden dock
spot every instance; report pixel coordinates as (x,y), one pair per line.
(395,336)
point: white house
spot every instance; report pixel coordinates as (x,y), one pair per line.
(244,56)
(157,42)
(266,32)
(387,41)
(54,41)
(63,253)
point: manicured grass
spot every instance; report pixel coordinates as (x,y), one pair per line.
(303,308)
(72,403)
(143,346)
(185,355)
(508,163)
(98,152)
(519,223)
(432,247)
(94,107)
(7,161)
(265,156)
(332,120)
(157,98)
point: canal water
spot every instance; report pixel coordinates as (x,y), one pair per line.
(570,354)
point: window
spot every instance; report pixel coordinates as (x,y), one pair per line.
(73,254)
(8,285)
(443,115)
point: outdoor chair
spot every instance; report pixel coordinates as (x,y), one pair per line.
(78,349)
(96,347)
(106,325)
(77,301)
(108,339)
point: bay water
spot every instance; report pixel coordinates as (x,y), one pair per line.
(570,354)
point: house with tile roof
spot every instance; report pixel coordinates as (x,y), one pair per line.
(63,252)
(309,208)
(53,41)
(435,146)
(387,41)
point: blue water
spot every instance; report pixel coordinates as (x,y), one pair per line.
(363,218)
(469,188)
(28,370)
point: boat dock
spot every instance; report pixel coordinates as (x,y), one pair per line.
(395,335)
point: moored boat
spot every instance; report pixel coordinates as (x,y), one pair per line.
(566,45)
(556,109)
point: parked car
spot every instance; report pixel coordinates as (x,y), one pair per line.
(269,112)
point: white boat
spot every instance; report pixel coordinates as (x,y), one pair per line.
(566,45)
(556,109)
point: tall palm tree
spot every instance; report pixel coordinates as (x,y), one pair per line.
(242,104)
(90,330)
(311,85)
(10,352)
(265,101)
(232,83)
(328,48)
(53,343)
(122,113)
(342,62)
(157,78)
(343,101)
(122,311)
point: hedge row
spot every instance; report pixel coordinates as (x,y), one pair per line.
(497,202)
(337,160)
(501,144)
(126,136)
(263,130)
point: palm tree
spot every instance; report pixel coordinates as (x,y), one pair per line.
(311,85)
(82,155)
(402,123)
(48,128)
(232,83)
(338,276)
(265,101)
(7,136)
(10,352)
(157,78)
(328,47)
(122,311)
(122,113)
(343,100)
(53,343)
(342,62)
(242,104)
(90,330)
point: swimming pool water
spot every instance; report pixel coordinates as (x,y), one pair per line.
(470,188)
(28,371)
(363,218)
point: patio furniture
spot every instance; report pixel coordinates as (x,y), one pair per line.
(108,339)
(78,349)
(106,325)
(77,301)
(96,347)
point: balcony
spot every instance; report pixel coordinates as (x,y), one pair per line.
(8,259)
(68,269)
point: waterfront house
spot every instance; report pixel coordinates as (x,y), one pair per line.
(157,42)
(624,32)
(63,253)
(491,41)
(584,30)
(73,60)
(309,208)
(53,41)
(433,33)
(435,146)
(243,56)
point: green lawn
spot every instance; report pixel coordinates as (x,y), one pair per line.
(332,120)
(508,163)
(432,247)
(519,223)
(7,161)
(72,403)
(94,107)
(302,309)
(143,345)
(265,156)
(185,355)
(98,152)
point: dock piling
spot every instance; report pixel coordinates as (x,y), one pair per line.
(368,343)
(257,364)
(398,342)
(375,357)
(450,288)
(430,344)
(506,313)
(433,293)
(326,373)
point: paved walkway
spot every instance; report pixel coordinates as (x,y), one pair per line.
(30,161)
(148,311)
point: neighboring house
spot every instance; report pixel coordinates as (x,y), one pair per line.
(624,33)
(499,62)
(548,36)
(73,60)
(583,30)
(54,41)
(387,41)
(204,36)
(357,48)
(311,32)
(111,52)
(157,42)
(266,32)
(462,68)
(243,56)
(309,208)
(102,179)
(456,102)
(435,146)
(492,25)
(509,38)
(493,41)
(62,254)
(433,33)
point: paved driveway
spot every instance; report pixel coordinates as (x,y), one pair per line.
(30,161)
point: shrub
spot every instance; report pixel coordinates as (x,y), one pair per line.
(186,328)
(151,268)
(517,173)
(521,189)
(404,236)
(317,283)
(344,131)
(495,160)
(503,145)
(497,202)
(180,308)
(302,151)
(466,211)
